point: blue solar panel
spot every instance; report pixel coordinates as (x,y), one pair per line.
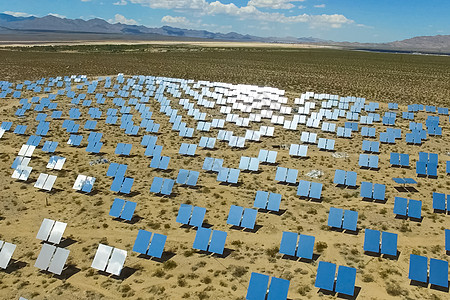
(142,241)
(400,206)
(432,169)
(366,146)
(257,287)
(379,191)
(117,183)
(350,180)
(366,189)
(182,176)
(192,179)
(278,289)
(306,246)
(423,156)
(335,217)
(156,185)
(223,174)
(116,208)
(184,214)
(261,199)
(363,160)
(303,188)
(274,202)
(372,240)
(339,177)
(350,220)
(389,243)
(167,186)
(345,282)
(208,163)
(316,190)
(235,215)
(201,241)
(281,174)
(438,201)
(233,175)
(249,218)
(325,276)
(157,245)
(418,266)
(288,243)
(128,210)
(404,160)
(439,272)
(217,244)
(198,214)
(415,209)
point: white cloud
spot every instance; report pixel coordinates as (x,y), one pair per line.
(249,12)
(319,5)
(17,14)
(121,19)
(57,15)
(274,4)
(85,0)
(175,21)
(120,2)
(173,4)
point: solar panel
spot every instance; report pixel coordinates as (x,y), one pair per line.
(249,218)
(116,261)
(439,272)
(201,241)
(274,202)
(372,240)
(278,289)
(439,201)
(415,209)
(45,256)
(306,246)
(389,243)
(345,282)
(400,206)
(257,287)
(339,177)
(288,243)
(418,266)
(350,179)
(261,199)
(379,191)
(197,217)
(350,220)
(335,217)
(281,174)
(235,215)
(325,276)
(6,252)
(217,243)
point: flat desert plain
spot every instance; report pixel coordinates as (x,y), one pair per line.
(185,273)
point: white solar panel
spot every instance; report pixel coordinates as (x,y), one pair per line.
(116,261)
(101,257)
(58,261)
(6,252)
(57,232)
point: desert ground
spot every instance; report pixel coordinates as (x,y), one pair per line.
(185,273)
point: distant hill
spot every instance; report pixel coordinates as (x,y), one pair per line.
(51,27)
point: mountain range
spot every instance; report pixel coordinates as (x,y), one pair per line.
(52,28)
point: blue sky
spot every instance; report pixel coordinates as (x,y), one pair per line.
(338,20)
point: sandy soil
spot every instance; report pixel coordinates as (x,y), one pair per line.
(184,273)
